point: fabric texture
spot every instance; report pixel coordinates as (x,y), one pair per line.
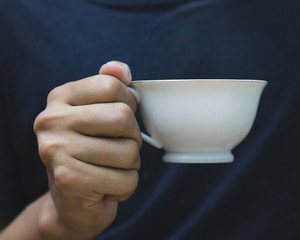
(47,43)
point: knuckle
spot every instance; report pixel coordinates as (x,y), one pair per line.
(38,122)
(64,179)
(50,119)
(49,149)
(123,114)
(111,87)
(130,182)
(133,156)
(43,121)
(55,94)
(59,93)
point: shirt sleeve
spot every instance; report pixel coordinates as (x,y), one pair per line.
(8,172)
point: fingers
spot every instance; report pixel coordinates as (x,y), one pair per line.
(114,120)
(75,177)
(121,153)
(88,168)
(108,120)
(92,90)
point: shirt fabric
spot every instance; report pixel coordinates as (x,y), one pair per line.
(47,43)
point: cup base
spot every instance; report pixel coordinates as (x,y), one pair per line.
(207,157)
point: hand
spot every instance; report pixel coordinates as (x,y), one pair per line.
(89,141)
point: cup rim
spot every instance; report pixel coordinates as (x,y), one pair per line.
(198,80)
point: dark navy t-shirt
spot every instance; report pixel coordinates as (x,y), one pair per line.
(44,44)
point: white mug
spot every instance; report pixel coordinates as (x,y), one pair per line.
(197,120)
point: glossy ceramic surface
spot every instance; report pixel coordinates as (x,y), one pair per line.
(198,120)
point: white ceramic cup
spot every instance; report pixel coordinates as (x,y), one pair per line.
(197,120)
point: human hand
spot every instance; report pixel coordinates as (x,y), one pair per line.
(89,141)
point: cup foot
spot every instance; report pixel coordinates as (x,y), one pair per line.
(207,157)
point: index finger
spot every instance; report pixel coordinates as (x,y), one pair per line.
(93,90)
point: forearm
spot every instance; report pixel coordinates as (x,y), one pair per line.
(39,221)
(26,224)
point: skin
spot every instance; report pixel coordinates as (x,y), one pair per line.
(89,141)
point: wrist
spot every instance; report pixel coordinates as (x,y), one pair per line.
(52,227)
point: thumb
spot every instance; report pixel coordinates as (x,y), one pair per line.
(118,70)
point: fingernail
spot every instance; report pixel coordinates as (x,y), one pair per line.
(128,73)
(125,67)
